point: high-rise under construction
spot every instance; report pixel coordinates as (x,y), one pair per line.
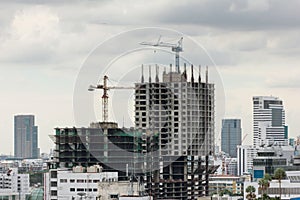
(181,110)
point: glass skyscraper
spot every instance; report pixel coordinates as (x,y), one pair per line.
(231,136)
(25,137)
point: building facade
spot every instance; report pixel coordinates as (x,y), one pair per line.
(78,183)
(269,121)
(245,155)
(13,185)
(182,112)
(25,137)
(231,136)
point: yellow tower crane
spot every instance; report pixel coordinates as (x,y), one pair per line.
(105,89)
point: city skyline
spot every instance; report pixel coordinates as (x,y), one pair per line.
(253,43)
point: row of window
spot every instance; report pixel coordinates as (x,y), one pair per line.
(79,181)
(83,190)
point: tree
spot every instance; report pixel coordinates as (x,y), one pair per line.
(225,191)
(279,174)
(251,190)
(264,184)
(268,177)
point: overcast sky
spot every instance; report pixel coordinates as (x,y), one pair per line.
(254,44)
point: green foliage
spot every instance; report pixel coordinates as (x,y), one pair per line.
(225,191)
(250,189)
(251,192)
(279,174)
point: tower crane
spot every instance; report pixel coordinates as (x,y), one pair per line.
(105,89)
(177,48)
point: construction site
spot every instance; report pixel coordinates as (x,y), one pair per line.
(167,150)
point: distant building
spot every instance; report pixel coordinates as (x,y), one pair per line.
(25,137)
(268,159)
(231,165)
(245,155)
(234,184)
(269,121)
(231,136)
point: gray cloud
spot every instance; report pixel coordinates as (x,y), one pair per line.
(238,14)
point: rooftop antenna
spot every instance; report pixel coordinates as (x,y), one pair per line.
(184,75)
(149,73)
(199,77)
(206,76)
(142,79)
(123,121)
(192,78)
(170,72)
(156,77)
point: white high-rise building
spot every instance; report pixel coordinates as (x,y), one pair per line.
(268,121)
(245,155)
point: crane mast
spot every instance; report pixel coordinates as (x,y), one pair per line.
(104,97)
(177,48)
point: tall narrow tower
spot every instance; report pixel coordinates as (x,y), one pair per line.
(231,136)
(25,137)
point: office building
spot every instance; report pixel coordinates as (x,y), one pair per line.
(269,121)
(13,185)
(245,155)
(78,183)
(25,137)
(268,159)
(231,136)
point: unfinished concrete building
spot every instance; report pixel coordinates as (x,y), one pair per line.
(113,148)
(181,110)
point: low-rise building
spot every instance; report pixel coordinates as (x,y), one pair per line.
(13,185)
(270,158)
(290,187)
(218,183)
(80,182)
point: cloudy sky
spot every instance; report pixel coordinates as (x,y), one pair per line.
(254,46)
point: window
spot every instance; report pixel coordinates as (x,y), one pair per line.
(72,180)
(72,189)
(80,181)
(63,180)
(54,175)
(53,184)
(80,189)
